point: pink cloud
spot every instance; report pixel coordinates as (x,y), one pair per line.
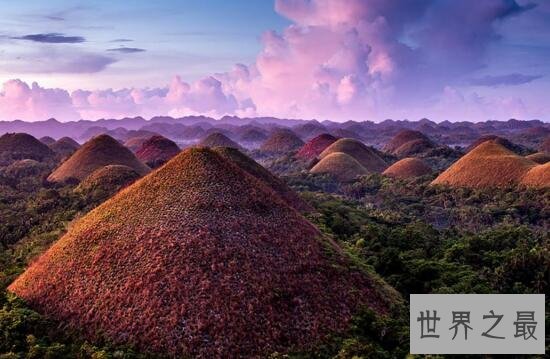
(339,60)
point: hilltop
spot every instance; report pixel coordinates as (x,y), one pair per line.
(408,143)
(282,140)
(253,168)
(367,157)
(341,166)
(64,147)
(487,165)
(313,148)
(100,151)
(199,259)
(217,139)
(156,151)
(19,146)
(407,168)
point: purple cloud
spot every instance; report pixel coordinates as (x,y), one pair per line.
(52,38)
(127,50)
(504,80)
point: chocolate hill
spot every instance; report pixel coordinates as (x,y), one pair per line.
(156,151)
(313,148)
(356,149)
(199,259)
(47,140)
(496,139)
(408,142)
(253,168)
(64,147)
(408,168)
(282,140)
(217,139)
(107,180)
(488,165)
(100,151)
(545,147)
(19,146)
(539,157)
(252,135)
(537,177)
(135,143)
(341,166)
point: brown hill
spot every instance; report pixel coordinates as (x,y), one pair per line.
(282,140)
(252,135)
(107,180)
(341,166)
(414,147)
(47,140)
(135,143)
(218,139)
(313,148)
(545,147)
(64,147)
(538,177)
(199,259)
(403,137)
(498,140)
(258,171)
(356,149)
(539,157)
(407,168)
(100,151)
(19,146)
(25,168)
(156,151)
(487,165)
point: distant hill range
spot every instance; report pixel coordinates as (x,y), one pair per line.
(192,129)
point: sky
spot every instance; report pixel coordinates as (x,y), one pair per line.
(335,60)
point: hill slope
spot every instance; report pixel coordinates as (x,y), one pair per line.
(538,176)
(217,139)
(157,150)
(487,165)
(18,146)
(282,140)
(341,166)
(253,168)
(407,168)
(315,146)
(100,151)
(209,262)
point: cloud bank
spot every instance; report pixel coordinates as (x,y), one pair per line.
(339,60)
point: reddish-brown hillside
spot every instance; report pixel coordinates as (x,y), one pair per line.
(356,149)
(135,143)
(341,166)
(65,146)
(258,171)
(156,151)
(282,140)
(313,148)
(413,147)
(18,146)
(422,142)
(98,152)
(408,168)
(487,165)
(199,259)
(538,177)
(218,139)
(539,157)
(108,180)
(496,139)
(545,147)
